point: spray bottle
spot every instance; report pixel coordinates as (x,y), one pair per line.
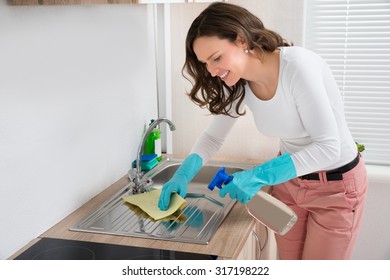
(266,209)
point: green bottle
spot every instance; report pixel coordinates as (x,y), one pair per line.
(153,143)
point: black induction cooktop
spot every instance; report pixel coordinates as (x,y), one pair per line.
(62,249)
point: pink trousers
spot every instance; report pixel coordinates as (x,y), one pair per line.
(329,215)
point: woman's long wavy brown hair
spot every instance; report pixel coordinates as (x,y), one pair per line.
(225,21)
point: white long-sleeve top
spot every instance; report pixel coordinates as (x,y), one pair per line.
(306,114)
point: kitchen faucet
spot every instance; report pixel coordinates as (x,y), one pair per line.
(136,175)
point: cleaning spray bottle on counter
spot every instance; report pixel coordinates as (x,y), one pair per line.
(153,143)
(266,209)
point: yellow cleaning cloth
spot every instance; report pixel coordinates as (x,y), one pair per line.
(178,216)
(148,202)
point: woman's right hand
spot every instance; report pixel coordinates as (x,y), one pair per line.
(178,184)
(180,180)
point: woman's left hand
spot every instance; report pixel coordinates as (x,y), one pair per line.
(247,183)
(243,186)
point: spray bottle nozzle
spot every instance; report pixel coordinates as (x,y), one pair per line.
(220,178)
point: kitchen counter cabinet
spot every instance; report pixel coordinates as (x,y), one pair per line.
(235,231)
(251,247)
(259,245)
(83,2)
(66,2)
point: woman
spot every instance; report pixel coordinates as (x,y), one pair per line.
(236,63)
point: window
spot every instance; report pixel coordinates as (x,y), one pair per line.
(353,36)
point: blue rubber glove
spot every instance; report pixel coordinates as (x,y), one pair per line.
(246,184)
(180,180)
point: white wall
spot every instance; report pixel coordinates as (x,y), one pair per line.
(76,86)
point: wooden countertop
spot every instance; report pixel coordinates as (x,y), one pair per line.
(233,231)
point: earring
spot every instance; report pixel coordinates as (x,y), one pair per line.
(246,51)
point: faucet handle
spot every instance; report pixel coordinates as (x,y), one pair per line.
(143,185)
(148,183)
(133,174)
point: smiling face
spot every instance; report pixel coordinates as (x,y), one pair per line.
(222,58)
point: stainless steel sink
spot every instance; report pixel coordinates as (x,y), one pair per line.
(204,212)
